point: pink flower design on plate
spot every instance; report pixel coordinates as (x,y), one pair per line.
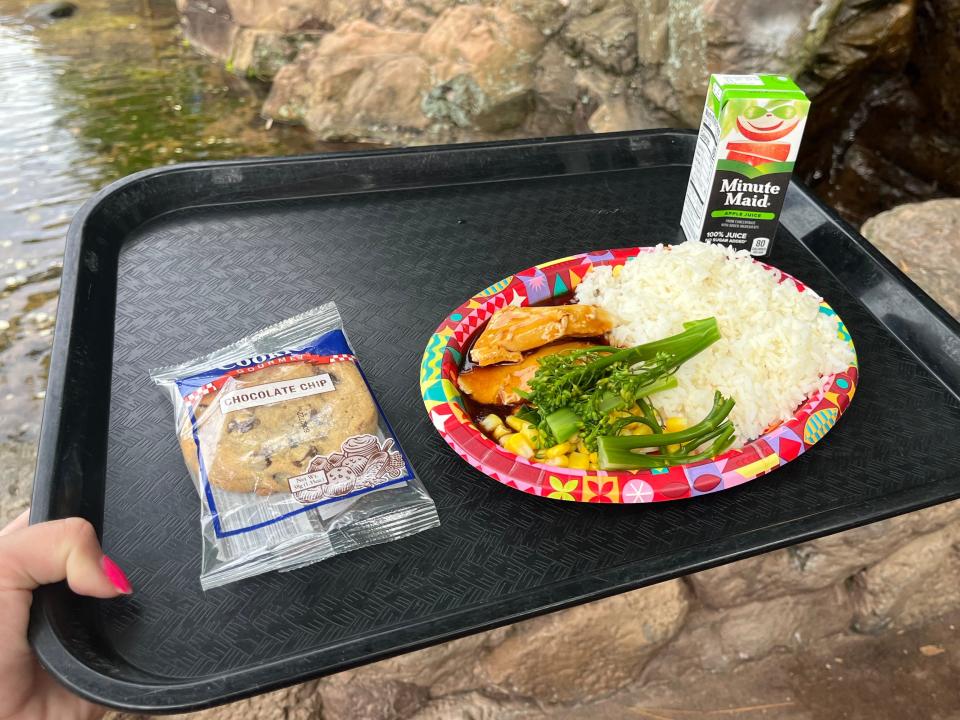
(637,491)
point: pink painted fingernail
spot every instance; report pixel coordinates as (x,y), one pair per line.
(116,575)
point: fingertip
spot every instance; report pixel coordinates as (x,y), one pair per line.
(18,523)
(116,576)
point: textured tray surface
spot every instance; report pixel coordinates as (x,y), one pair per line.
(394,263)
(192,280)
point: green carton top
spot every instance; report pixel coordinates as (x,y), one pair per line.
(765,85)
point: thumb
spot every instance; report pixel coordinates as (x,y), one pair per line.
(56,550)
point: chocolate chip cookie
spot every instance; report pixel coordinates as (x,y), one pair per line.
(258,448)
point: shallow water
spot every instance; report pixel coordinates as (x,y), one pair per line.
(86,100)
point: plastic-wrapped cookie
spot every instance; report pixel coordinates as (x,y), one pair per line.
(262,428)
(285,445)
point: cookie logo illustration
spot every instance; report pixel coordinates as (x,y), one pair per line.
(361,463)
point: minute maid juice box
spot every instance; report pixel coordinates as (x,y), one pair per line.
(749,136)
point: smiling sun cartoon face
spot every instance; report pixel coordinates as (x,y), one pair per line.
(764,124)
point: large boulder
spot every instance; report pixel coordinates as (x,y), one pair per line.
(886,133)
(741,36)
(470,74)
(607,35)
(356,83)
(719,640)
(482,63)
(918,581)
(856,40)
(293,15)
(921,238)
(818,564)
(590,650)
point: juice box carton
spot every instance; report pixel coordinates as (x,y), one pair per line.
(748,141)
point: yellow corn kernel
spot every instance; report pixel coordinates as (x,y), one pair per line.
(579,460)
(532,435)
(516,423)
(638,429)
(500,431)
(675,424)
(617,270)
(594,458)
(582,447)
(559,461)
(517,444)
(557,450)
(491,422)
(593,466)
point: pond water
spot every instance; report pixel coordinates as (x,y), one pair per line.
(86,100)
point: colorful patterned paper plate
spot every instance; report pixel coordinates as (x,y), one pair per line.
(438,383)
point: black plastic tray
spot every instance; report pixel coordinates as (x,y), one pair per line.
(170,263)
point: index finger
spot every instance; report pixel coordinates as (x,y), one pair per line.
(59,550)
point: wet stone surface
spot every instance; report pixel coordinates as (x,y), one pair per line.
(88,98)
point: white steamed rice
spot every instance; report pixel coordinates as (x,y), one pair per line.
(775,346)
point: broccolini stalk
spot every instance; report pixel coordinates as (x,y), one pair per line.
(627,452)
(593,382)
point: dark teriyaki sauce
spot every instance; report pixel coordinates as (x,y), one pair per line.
(478,411)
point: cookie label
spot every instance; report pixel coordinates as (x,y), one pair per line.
(362,463)
(309,488)
(256,395)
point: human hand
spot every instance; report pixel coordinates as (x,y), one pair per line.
(30,556)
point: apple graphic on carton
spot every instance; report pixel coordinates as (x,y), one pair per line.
(766,124)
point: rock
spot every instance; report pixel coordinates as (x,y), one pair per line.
(479,706)
(626,112)
(652,16)
(293,15)
(837,38)
(740,36)
(357,83)
(261,53)
(718,640)
(857,40)
(384,700)
(208,26)
(555,93)
(253,51)
(624,631)
(919,580)
(51,10)
(547,15)
(937,59)
(472,72)
(852,159)
(300,702)
(588,650)
(482,61)
(817,564)
(450,668)
(921,239)
(17,461)
(608,36)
